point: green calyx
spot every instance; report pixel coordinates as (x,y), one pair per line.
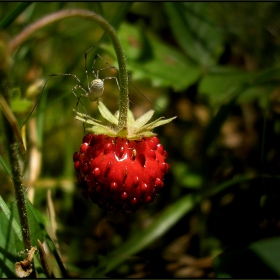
(136,129)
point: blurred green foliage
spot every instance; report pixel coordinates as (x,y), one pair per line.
(214,65)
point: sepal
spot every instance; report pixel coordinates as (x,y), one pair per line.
(136,129)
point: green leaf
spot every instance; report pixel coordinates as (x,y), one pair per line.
(269,251)
(10,245)
(217,86)
(161,224)
(268,76)
(38,231)
(6,167)
(9,19)
(116,14)
(10,217)
(20,106)
(259,260)
(186,177)
(213,128)
(139,241)
(164,66)
(194,31)
(10,241)
(222,81)
(167,68)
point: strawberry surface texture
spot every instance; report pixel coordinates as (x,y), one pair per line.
(121,168)
(120,174)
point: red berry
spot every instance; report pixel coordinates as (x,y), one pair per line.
(120,174)
(121,165)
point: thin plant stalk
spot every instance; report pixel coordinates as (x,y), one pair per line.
(11,138)
(13,150)
(69,13)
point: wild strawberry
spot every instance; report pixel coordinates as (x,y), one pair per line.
(121,170)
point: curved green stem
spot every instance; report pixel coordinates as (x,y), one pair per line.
(123,77)
(4,69)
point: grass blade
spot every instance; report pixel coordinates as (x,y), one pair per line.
(36,221)
(6,167)
(161,224)
(9,19)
